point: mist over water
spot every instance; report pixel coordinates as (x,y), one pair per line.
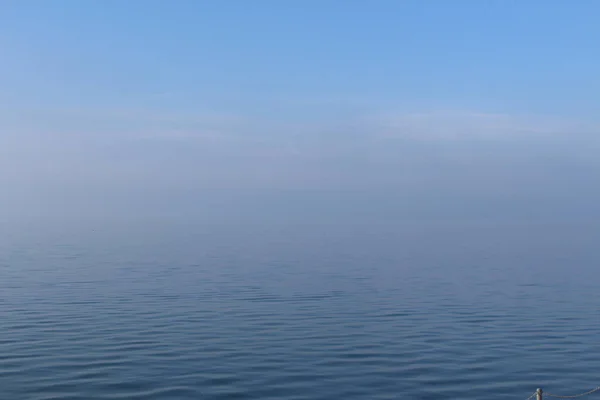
(379,268)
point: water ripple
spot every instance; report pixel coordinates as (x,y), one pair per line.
(258,322)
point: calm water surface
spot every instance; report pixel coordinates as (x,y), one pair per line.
(423,311)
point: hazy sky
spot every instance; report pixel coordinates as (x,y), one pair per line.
(376,109)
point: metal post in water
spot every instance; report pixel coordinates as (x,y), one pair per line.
(539,394)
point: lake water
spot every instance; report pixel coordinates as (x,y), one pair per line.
(383,311)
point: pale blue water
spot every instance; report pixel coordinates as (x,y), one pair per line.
(416,311)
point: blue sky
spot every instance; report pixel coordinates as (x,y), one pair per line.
(142,98)
(503,56)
